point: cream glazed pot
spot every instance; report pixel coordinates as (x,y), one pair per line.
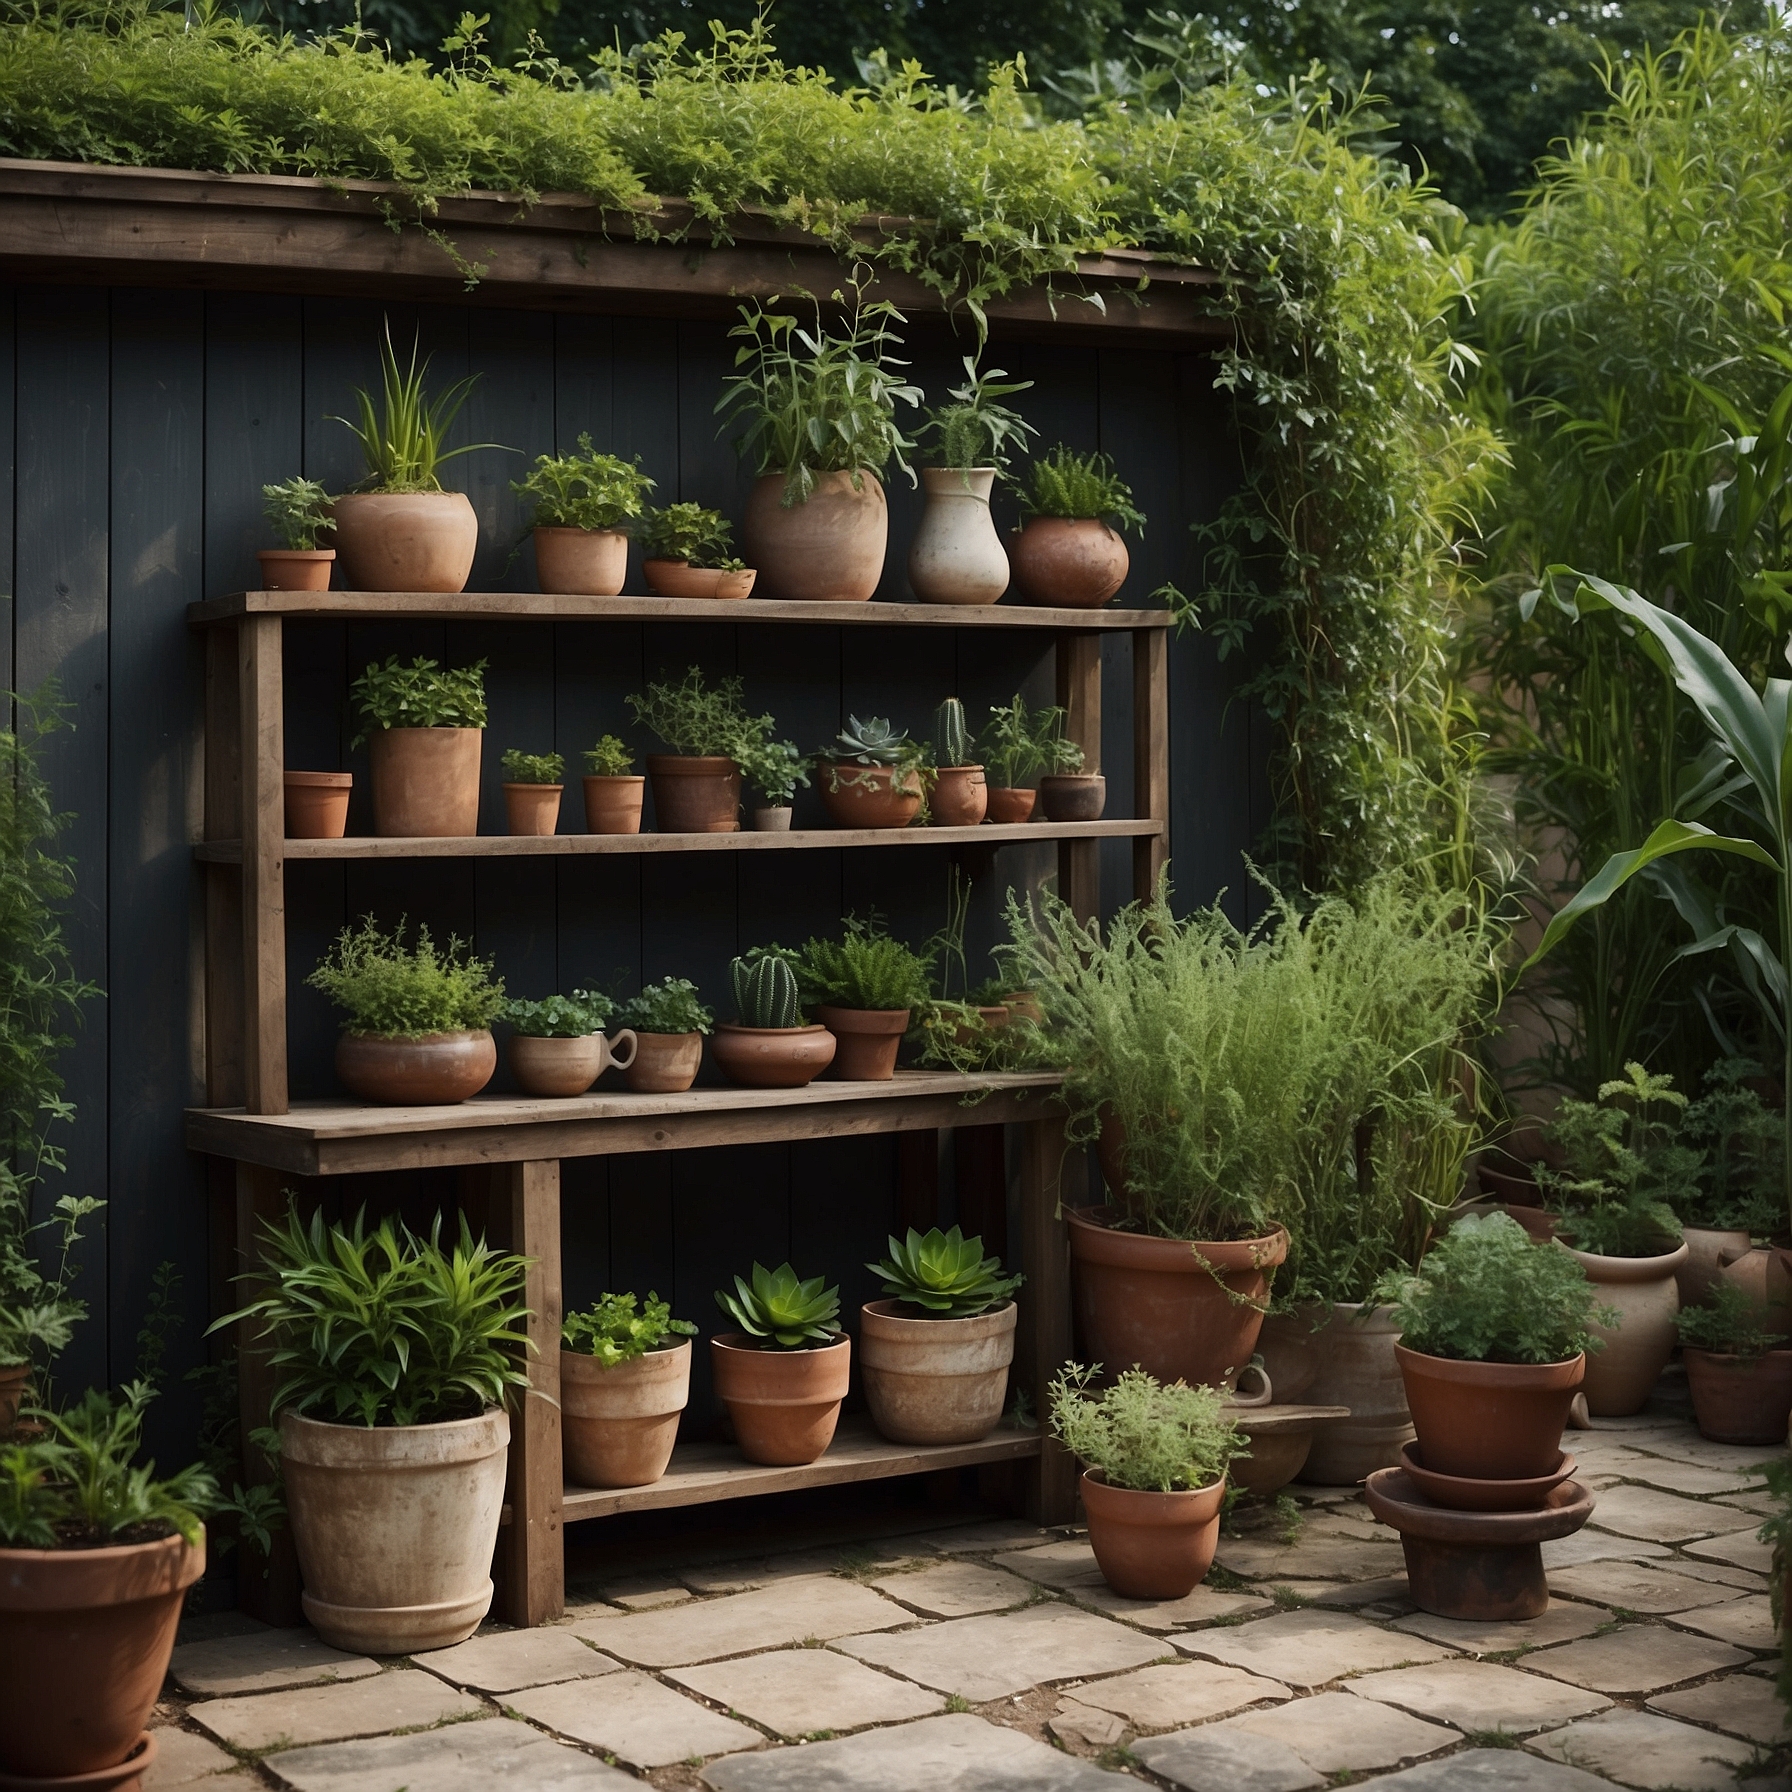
(956,556)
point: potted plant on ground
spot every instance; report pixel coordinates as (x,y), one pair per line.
(1067,552)
(582,502)
(956,556)
(668,1023)
(783,1375)
(395,1360)
(416,1019)
(613,789)
(960,796)
(872,775)
(696,787)
(532,789)
(1739,1373)
(1154,1476)
(557,1046)
(424,726)
(688,551)
(299,510)
(934,1356)
(770,1046)
(1017,745)
(863,987)
(1741,1143)
(625,1376)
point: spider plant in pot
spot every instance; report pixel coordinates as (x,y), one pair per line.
(299,511)
(424,726)
(934,1356)
(532,790)
(1068,552)
(416,1019)
(557,1046)
(1154,1475)
(818,415)
(872,775)
(1739,1373)
(625,1376)
(960,796)
(772,770)
(688,551)
(669,1025)
(1013,746)
(396,1359)
(770,1046)
(696,787)
(956,556)
(784,1373)
(614,790)
(583,504)
(863,987)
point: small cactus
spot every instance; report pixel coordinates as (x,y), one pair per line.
(952,734)
(765,992)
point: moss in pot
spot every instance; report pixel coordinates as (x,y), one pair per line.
(688,551)
(770,1046)
(625,1376)
(558,1047)
(532,789)
(669,1025)
(784,1373)
(583,505)
(1740,1373)
(425,727)
(864,988)
(298,511)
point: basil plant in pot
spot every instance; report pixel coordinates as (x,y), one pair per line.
(669,1024)
(625,1376)
(864,988)
(299,512)
(583,504)
(1739,1373)
(558,1047)
(1069,552)
(696,787)
(687,550)
(784,1373)
(424,726)
(770,1046)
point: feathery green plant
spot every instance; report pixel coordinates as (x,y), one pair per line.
(404,440)
(1019,745)
(586,490)
(774,768)
(696,717)
(612,1330)
(864,968)
(532,768)
(299,512)
(975,430)
(668,1006)
(394,991)
(945,1274)
(1141,1434)
(1063,483)
(765,991)
(691,533)
(576,1016)
(1728,1322)
(420,695)
(781,1310)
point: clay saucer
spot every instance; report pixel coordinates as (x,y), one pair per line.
(1463,1493)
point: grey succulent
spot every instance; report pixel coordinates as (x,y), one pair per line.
(873,741)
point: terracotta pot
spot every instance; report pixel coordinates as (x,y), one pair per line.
(956,556)
(772,1057)
(566,1066)
(532,808)
(425,781)
(406,541)
(296,569)
(695,793)
(1764,1274)
(935,1381)
(1357,1369)
(828,550)
(1488,1421)
(430,1071)
(15,1379)
(85,1636)
(127,1776)
(1622,1375)
(1739,1400)
(1184,1312)
(784,1403)
(317,804)
(866,1041)
(1706,1249)
(1076,562)
(1152,1545)
(678,578)
(618,1425)
(1073,796)
(1006,807)
(775,820)
(395,1527)
(1464,1493)
(868,796)
(960,796)
(665,1063)
(581,562)
(613,805)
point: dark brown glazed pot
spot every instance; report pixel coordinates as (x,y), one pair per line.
(868,796)
(430,1071)
(960,796)
(772,1057)
(1076,562)
(1462,1493)
(1006,807)
(695,793)
(1740,1400)
(1073,796)
(1152,1545)
(784,1403)
(1489,1421)
(866,1041)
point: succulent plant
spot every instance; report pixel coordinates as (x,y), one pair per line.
(873,741)
(945,1273)
(765,991)
(782,1309)
(951,734)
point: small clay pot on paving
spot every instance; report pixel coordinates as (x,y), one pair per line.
(618,1424)
(532,808)
(317,804)
(869,796)
(960,796)
(678,578)
(432,1070)
(695,793)
(580,562)
(1152,1545)
(772,1057)
(1007,807)
(613,805)
(784,1404)
(296,569)
(867,1041)
(1073,796)
(563,1067)
(664,1063)
(1075,563)
(1489,1421)
(1740,1400)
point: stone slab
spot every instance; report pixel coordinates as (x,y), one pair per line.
(1479,1696)
(1637,1587)
(470,1757)
(263,1661)
(183,1759)
(1721,1574)
(645,1592)
(1491,1770)
(1598,1546)
(1746,1622)
(1561,1623)
(1390,1591)
(1218,1759)
(1637,1748)
(1743,1704)
(799,1691)
(508,1660)
(1066,1564)
(396,1700)
(1335,1732)
(1169,1694)
(1309,1648)
(1093,1728)
(1637,1658)
(1655,1516)
(1741,1549)
(979,1539)
(955,1589)
(760,1571)
(1071,1568)
(1687,1446)
(1763,1503)
(1685,1477)
(639,1721)
(1325,1558)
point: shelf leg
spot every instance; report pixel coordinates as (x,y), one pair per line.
(1079,693)
(1047,1173)
(264,865)
(1150,754)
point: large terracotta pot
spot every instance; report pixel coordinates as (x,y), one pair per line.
(1706,1250)
(85,1636)
(317,804)
(935,1381)
(1504,1177)
(613,805)
(581,562)
(1357,1369)
(1182,1311)
(1740,1400)
(866,1041)
(560,1067)
(430,1071)
(1622,1375)
(1073,796)
(956,556)
(868,796)
(695,793)
(425,781)
(678,578)
(1078,563)
(828,550)
(532,808)
(618,1425)
(1764,1274)
(296,569)
(1152,1545)
(15,1378)
(665,1063)
(772,1057)
(395,1527)
(1006,807)
(784,1403)
(960,796)
(1489,1421)
(406,541)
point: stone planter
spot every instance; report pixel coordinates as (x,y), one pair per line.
(425,781)
(772,1057)
(773,820)
(1622,1375)
(695,793)
(618,1425)
(1740,1400)
(829,549)
(960,797)
(581,562)
(866,1041)
(1488,1421)
(317,804)
(406,541)
(1073,562)
(935,1381)
(1152,1545)
(1357,1369)
(432,1070)
(563,1067)
(784,1403)
(956,556)
(665,1063)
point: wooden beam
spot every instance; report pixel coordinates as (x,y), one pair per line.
(1049,1181)
(264,865)
(1079,694)
(223,882)
(1150,756)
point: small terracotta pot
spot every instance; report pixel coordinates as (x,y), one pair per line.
(1764,1274)
(1463,1493)
(868,796)
(431,1071)
(827,550)
(532,808)
(1489,1421)
(425,781)
(1706,1249)
(613,805)
(561,1067)
(772,1057)
(678,578)
(317,804)
(581,562)
(15,1378)
(1007,807)
(296,569)
(784,1403)
(775,820)
(1740,1400)
(1152,1545)
(955,555)
(1073,796)
(695,793)
(406,541)
(1076,562)
(866,1041)
(1623,1375)
(665,1063)
(1354,1347)
(618,1425)
(935,1381)
(960,797)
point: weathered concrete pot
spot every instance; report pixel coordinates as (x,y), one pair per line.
(618,1425)
(829,549)
(406,541)
(1152,1545)
(563,1067)
(960,797)
(430,1071)
(1621,1376)
(581,562)
(772,1057)
(532,808)
(866,1041)
(1358,1369)
(1740,1400)
(425,781)
(1706,1250)
(935,1381)
(784,1403)
(775,819)
(665,1063)
(956,556)
(1493,1421)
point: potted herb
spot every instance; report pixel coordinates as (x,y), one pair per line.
(960,796)
(696,787)
(1740,1374)
(424,725)
(668,1023)
(299,511)
(818,411)
(1154,1476)
(863,987)
(770,1046)
(688,551)
(396,1359)
(557,1046)
(772,770)
(38,1314)
(1741,1145)
(1067,792)
(1017,745)
(625,1376)
(532,789)
(614,790)
(1067,553)
(783,1375)
(956,556)
(416,1019)
(582,503)
(934,1356)
(872,775)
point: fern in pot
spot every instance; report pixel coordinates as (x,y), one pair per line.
(864,988)
(583,505)
(669,1025)
(558,1046)
(1069,552)
(299,512)
(424,726)
(696,787)
(687,550)
(871,775)
(770,1046)
(625,1376)
(783,1374)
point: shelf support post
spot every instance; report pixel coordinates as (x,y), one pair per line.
(263,801)
(1079,695)
(1150,754)
(1049,1178)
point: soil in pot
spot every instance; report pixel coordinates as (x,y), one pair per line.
(772,1057)
(317,804)
(406,541)
(581,562)
(935,1381)
(1489,1421)
(562,1067)
(1706,1250)
(430,1071)
(665,1063)
(784,1403)
(869,796)
(296,569)
(678,578)
(1740,1400)
(613,805)
(1357,1369)
(960,796)
(775,820)
(1073,796)
(618,1425)
(1152,1545)
(866,1041)
(829,549)
(1007,807)
(956,556)
(1621,1376)
(695,793)
(532,808)
(1078,563)
(425,781)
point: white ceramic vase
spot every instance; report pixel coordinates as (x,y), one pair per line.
(956,556)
